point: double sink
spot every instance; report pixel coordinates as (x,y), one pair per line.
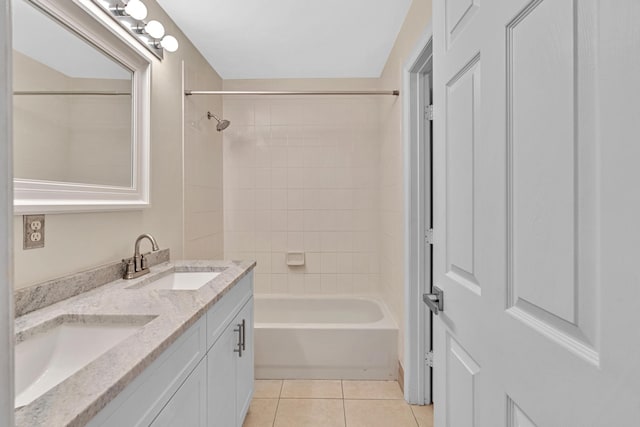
(49,353)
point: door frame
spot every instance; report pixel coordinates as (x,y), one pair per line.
(6,220)
(417,321)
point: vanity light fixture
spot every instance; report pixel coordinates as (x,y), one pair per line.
(155,29)
(130,14)
(134,8)
(169,43)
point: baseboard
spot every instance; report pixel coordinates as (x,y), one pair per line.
(401,376)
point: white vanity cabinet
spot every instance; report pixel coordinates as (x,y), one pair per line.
(201,379)
(188,407)
(244,365)
(230,371)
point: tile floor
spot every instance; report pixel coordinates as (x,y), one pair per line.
(329,403)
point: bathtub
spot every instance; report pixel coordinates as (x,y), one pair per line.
(324,337)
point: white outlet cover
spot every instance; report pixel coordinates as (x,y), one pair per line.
(33,232)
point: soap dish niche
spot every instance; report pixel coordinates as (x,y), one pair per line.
(295,259)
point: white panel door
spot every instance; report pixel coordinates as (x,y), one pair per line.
(537,242)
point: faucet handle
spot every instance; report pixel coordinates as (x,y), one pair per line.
(144,263)
(130,267)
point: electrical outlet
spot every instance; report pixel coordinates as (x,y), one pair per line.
(33,231)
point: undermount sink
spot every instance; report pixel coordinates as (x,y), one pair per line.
(63,346)
(183,281)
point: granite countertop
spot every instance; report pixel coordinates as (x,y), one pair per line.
(80,397)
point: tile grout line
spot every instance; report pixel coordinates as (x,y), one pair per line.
(344,405)
(414,415)
(275,414)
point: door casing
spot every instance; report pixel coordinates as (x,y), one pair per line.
(417,321)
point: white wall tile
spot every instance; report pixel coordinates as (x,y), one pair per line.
(313,262)
(278,199)
(344,262)
(279,241)
(278,262)
(279,220)
(279,178)
(279,284)
(312,284)
(328,283)
(263,177)
(312,241)
(295,241)
(295,283)
(329,262)
(263,241)
(295,221)
(302,175)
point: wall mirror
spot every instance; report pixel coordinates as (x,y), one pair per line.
(81,110)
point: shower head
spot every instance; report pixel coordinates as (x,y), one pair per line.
(222,124)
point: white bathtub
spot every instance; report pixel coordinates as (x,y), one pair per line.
(324,337)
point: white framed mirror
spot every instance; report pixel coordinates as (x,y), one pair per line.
(81,110)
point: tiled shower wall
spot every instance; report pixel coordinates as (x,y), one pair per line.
(301,175)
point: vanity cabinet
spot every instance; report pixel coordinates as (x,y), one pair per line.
(200,380)
(188,407)
(230,371)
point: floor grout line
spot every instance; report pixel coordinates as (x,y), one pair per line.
(414,415)
(344,406)
(275,414)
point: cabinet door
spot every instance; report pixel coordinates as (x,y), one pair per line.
(244,364)
(188,407)
(221,379)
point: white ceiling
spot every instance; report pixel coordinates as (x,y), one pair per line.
(270,39)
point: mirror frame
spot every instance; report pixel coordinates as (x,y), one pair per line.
(94,25)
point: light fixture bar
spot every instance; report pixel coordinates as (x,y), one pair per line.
(267,93)
(130,15)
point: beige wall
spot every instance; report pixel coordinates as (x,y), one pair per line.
(300,175)
(392,170)
(203,234)
(79,241)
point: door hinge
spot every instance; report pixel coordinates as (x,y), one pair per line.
(429,359)
(428,112)
(429,236)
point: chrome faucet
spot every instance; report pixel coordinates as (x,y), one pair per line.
(138,264)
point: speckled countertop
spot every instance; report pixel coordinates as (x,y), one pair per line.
(80,397)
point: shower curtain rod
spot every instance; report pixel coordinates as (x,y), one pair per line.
(328,92)
(64,92)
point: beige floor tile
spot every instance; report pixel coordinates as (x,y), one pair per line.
(261,413)
(371,390)
(378,413)
(318,389)
(424,415)
(310,413)
(267,389)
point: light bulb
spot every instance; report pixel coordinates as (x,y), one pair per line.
(169,43)
(155,29)
(136,9)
